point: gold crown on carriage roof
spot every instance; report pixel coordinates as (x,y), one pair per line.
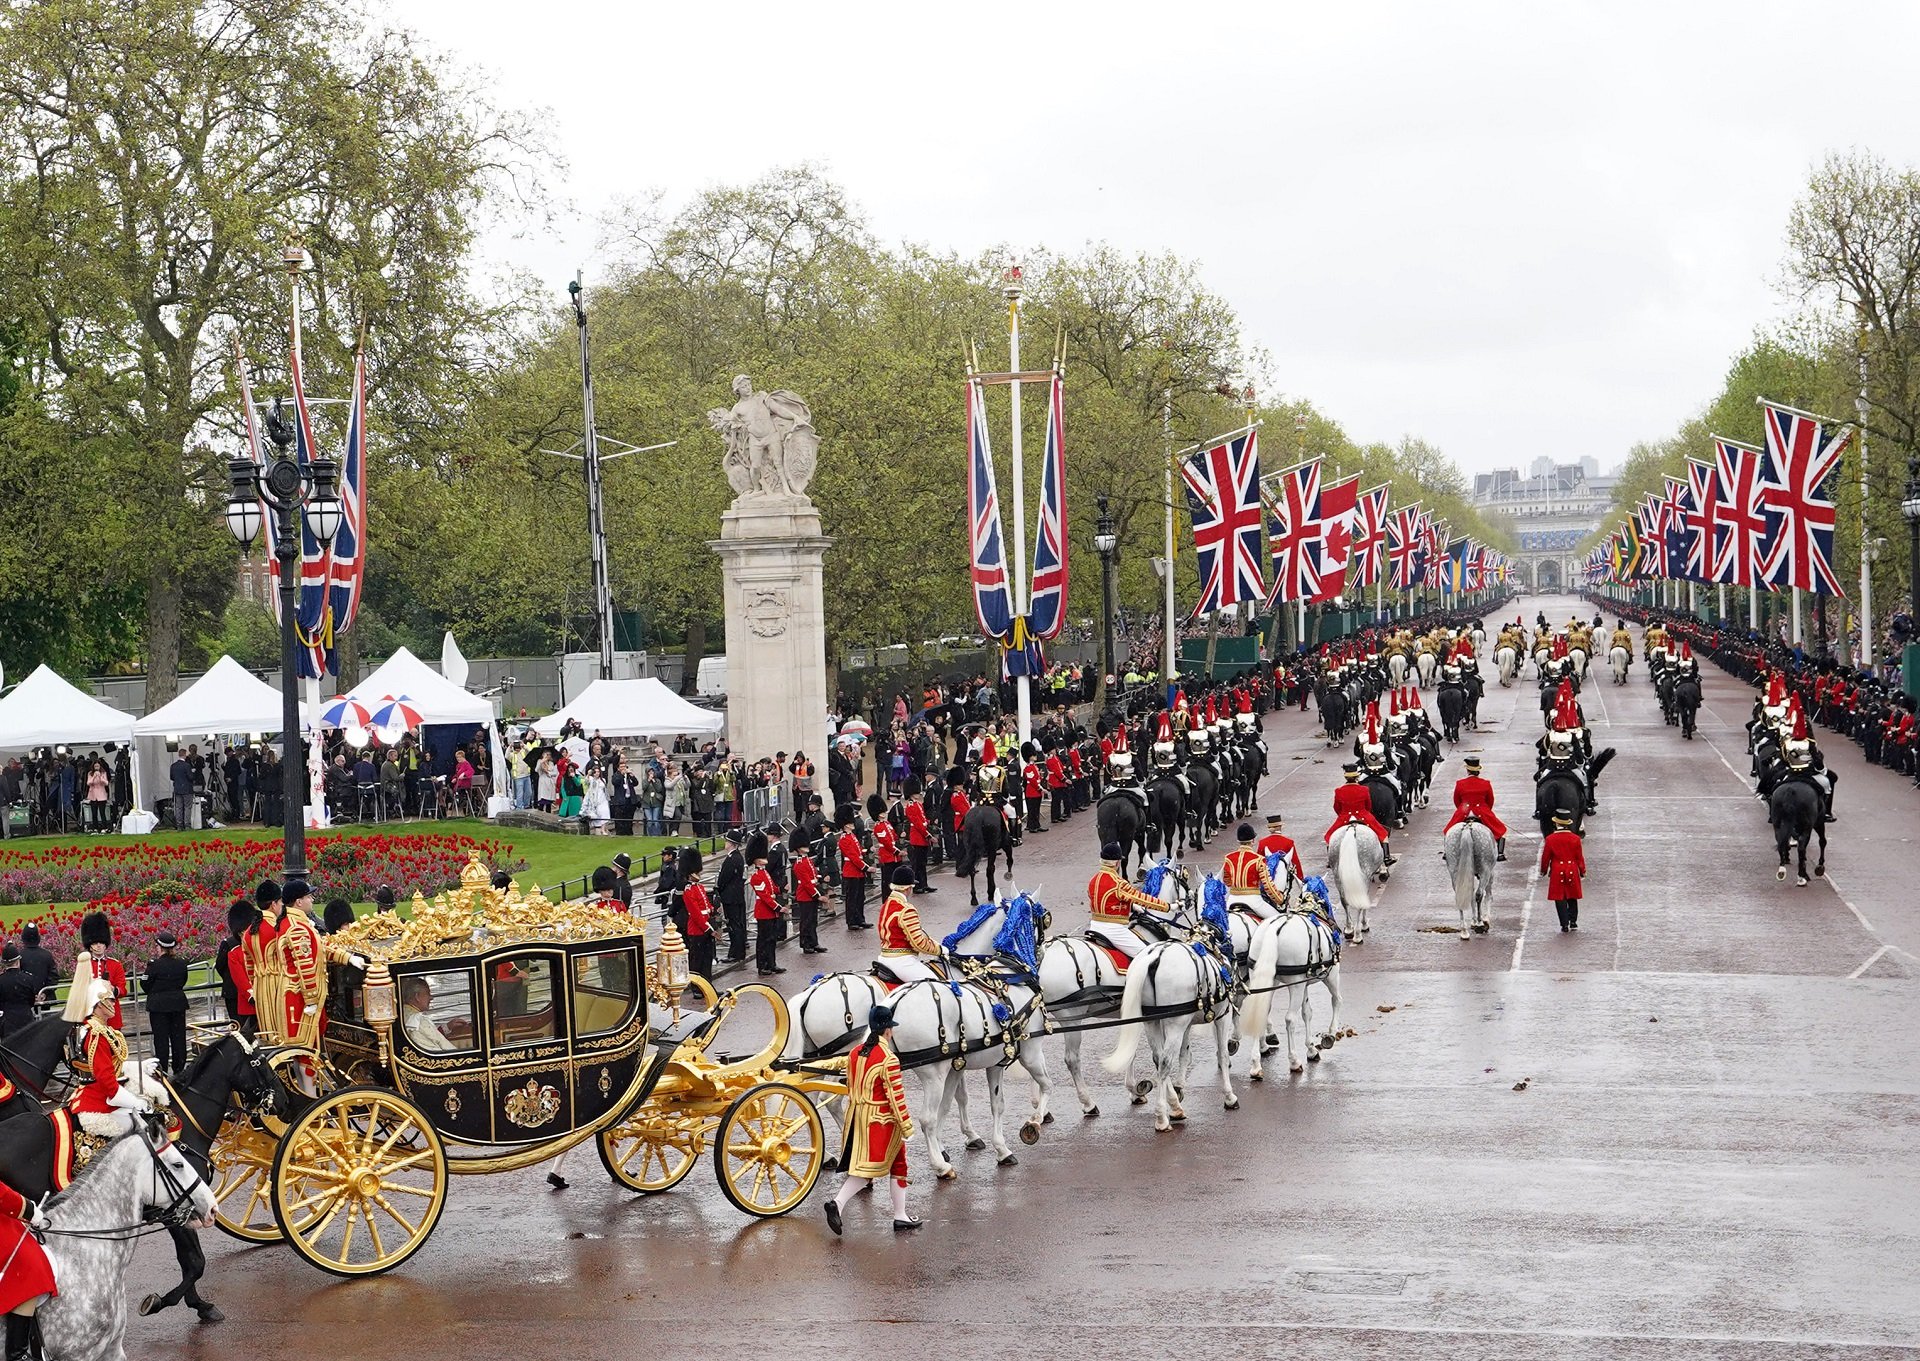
(475,917)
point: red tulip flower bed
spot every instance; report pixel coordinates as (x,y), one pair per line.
(186,888)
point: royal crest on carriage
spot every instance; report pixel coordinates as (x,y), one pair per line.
(533,1105)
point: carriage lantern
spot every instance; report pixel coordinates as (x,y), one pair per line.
(672,957)
(376,996)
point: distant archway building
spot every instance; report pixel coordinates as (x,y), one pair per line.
(1553,508)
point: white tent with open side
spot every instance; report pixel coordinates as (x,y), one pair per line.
(438,700)
(632,708)
(226,702)
(47,710)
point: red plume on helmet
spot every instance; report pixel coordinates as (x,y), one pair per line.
(1213,714)
(1559,646)
(1566,715)
(1179,699)
(989,754)
(1776,690)
(1373,724)
(1393,704)
(1686,650)
(1244,703)
(1120,741)
(1799,719)
(1163,726)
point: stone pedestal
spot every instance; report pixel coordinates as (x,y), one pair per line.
(771,552)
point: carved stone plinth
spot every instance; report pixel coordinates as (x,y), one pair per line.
(771,551)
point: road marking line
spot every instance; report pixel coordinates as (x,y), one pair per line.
(1526,915)
(1872,960)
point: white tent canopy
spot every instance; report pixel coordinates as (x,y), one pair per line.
(46,710)
(632,708)
(228,701)
(437,699)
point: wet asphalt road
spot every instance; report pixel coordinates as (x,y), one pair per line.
(1715,1153)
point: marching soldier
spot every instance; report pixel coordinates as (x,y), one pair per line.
(904,943)
(1563,860)
(853,873)
(698,908)
(1030,787)
(1471,793)
(958,806)
(886,840)
(766,907)
(919,837)
(806,895)
(1353,802)
(878,1125)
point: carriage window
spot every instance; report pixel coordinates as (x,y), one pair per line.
(436,1011)
(522,999)
(603,991)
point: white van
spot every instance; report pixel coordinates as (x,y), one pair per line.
(710,681)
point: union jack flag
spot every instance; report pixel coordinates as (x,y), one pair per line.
(1370,535)
(348,562)
(1047,607)
(1439,564)
(1676,506)
(1405,544)
(1737,506)
(992,603)
(1338,505)
(310,621)
(1650,519)
(1705,531)
(1799,507)
(1296,534)
(1223,496)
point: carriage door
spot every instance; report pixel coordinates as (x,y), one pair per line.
(527,1046)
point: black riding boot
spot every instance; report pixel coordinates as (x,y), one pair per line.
(19,1337)
(1500,848)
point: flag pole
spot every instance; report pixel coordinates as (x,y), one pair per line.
(1170,664)
(1866,560)
(1017,579)
(1796,616)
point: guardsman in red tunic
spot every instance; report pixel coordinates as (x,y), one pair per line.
(1030,788)
(878,1125)
(1353,802)
(1563,860)
(1474,793)
(1111,901)
(904,943)
(886,841)
(1277,842)
(766,905)
(26,1276)
(96,937)
(959,805)
(806,892)
(919,837)
(1057,785)
(853,872)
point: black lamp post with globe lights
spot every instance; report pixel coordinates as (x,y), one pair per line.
(1106,543)
(294,495)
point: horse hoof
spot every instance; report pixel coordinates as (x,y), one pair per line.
(951,1174)
(1047,1119)
(1232,1103)
(1781,874)
(1233,1047)
(1178,1117)
(1029,1135)
(1141,1088)
(1296,1067)
(1256,1076)
(149,1304)
(1819,871)
(1090,1112)
(975,1145)
(1010,1161)
(1313,1056)
(1163,1129)
(1138,1101)
(1799,881)
(211,1314)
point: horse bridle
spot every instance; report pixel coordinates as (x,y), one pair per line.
(177,1213)
(256,1063)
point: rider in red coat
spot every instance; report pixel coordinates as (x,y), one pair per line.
(26,1277)
(1474,793)
(1563,860)
(1353,802)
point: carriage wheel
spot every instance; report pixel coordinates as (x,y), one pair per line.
(359,1181)
(770,1150)
(242,1161)
(653,1151)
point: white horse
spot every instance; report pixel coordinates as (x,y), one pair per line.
(1479,636)
(1508,659)
(1578,656)
(1357,860)
(1397,669)
(1542,659)
(93,1226)
(1620,657)
(1298,946)
(1469,851)
(1168,986)
(1425,663)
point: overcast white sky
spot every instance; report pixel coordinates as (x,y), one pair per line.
(1512,229)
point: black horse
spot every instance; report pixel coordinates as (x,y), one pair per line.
(983,833)
(1121,817)
(1203,802)
(1686,701)
(204,1095)
(1166,815)
(1794,811)
(1452,700)
(1559,791)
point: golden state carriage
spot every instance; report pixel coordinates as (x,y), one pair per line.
(487,1032)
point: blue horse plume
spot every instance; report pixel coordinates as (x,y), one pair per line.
(1213,911)
(1019,935)
(1274,861)
(1155,878)
(970,925)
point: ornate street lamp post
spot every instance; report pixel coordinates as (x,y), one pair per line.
(294,495)
(1107,544)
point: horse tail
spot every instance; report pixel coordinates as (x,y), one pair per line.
(1347,872)
(1266,959)
(1460,866)
(1130,1009)
(1599,763)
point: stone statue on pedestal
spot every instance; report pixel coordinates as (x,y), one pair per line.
(771,447)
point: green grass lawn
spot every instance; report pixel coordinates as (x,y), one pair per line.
(552,857)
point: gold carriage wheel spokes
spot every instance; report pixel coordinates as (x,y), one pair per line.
(242,1160)
(651,1153)
(771,1149)
(359,1182)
